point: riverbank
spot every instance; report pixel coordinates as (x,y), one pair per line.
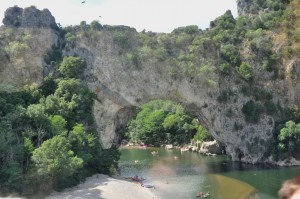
(101,186)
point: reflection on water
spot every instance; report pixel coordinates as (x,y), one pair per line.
(225,187)
(177,174)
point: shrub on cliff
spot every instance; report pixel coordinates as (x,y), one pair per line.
(72,67)
(289,139)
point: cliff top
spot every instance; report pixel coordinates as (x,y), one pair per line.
(28,17)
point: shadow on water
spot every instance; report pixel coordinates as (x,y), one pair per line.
(182,175)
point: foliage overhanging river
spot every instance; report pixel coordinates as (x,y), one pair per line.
(177,174)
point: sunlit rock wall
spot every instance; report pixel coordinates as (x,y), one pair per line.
(120,85)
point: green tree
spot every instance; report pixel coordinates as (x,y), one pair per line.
(82,143)
(58,125)
(161,121)
(246,71)
(289,138)
(12,175)
(72,67)
(54,158)
(75,101)
(95,25)
(40,123)
(201,134)
(252,111)
(230,54)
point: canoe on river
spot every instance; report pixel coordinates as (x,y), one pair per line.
(136,179)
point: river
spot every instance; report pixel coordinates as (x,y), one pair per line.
(181,175)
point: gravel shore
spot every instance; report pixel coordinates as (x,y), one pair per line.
(101,186)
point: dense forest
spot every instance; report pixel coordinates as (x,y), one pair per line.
(48,138)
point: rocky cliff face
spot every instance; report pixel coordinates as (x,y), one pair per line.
(123,82)
(28,17)
(26,37)
(121,87)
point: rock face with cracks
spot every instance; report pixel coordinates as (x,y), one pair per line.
(121,86)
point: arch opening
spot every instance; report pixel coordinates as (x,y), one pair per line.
(163,122)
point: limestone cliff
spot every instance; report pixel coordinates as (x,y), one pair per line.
(28,17)
(126,69)
(27,35)
(120,86)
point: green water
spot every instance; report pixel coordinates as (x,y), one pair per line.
(188,173)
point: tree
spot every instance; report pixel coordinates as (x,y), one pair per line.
(161,121)
(95,25)
(12,175)
(76,100)
(49,85)
(289,138)
(40,122)
(82,143)
(230,54)
(252,111)
(54,158)
(58,125)
(201,134)
(72,67)
(246,71)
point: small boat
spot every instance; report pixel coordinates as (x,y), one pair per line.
(154,152)
(148,185)
(137,179)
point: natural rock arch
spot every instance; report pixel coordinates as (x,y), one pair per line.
(120,86)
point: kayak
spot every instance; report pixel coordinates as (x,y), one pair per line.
(147,185)
(137,179)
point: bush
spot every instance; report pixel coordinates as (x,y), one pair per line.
(289,138)
(122,39)
(202,134)
(270,107)
(224,68)
(95,25)
(246,71)
(230,54)
(134,59)
(252,111)
(72,67)
(54,55)
(224,96)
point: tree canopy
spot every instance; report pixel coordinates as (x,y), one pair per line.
(47,136)
(163,121)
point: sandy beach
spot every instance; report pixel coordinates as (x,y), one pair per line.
(101,186)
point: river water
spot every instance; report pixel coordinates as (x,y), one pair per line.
(181,175)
